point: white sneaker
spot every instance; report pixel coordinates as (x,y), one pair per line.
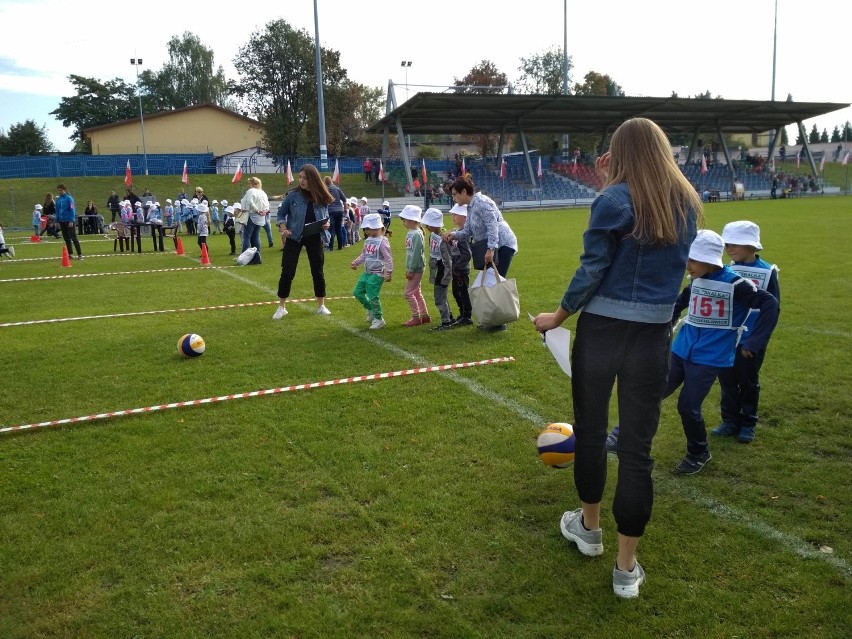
(378,323)
(12,251)
(279,313)
(322,310)
(370,316)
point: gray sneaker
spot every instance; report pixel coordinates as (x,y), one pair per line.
(589,542)
(625,583)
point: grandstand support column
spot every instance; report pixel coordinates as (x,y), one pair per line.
(727,154)
(772,144)
(807,149)
(501,142)
(403,151)
(527,160)
(604,138)
(693,143)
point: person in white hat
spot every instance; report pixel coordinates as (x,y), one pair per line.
(228,228)
(415,264)
(168,214)
(378,269)
(363,209)
(440,266)
(202,225)
(214,217)
(717,302)
(385,213)
(37,219)
(460,254)
(740,384)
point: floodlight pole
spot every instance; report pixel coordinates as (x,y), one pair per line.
(406,64)
(136,62)
(566,142)
(320,104)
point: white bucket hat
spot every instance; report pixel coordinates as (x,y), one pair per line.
(169,200)
(433,217)
(385,203)
(201,207)
(38,206)
(372,221)
(743,232)
(411,212)
(364,199)
(707,247)
(459,209)
(229,209)
(237,205)
(224,202)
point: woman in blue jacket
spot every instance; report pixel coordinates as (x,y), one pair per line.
(301,218)
(635,252)
(66,216)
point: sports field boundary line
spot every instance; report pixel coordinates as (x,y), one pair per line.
(80,275)
(257,393)
(165,311)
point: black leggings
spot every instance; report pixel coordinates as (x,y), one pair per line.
(290,259)
(69,234)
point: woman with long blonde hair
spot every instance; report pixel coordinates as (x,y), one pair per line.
(630,274)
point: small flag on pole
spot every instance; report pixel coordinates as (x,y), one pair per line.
(128,176)
(423,170)
(289,173)
(238,174)
(381,172)
(185,177)
(503,169)
(574,166)
(822,163)
(538,171)
(798,159)
(335,177)
(464,170)
(703,165)
(845,159)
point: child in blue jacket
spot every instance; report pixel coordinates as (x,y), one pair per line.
(740,384)
(717,301)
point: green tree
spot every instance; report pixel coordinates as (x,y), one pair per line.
(595,83)
(349,109)
(847,132)
(25,138)
(483,78)
(188,77)
(813,136)
(96,103)
(823,137)
(277,83)
(542,73)
(835,135)
(799,138)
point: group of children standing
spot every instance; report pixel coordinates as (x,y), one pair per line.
(731,313)
(448,263)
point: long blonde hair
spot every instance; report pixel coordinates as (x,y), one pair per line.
(641,156)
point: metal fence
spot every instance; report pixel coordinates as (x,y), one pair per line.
(80,165)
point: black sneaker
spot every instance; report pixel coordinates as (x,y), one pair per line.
(463,321)
(693,464)
(443,327)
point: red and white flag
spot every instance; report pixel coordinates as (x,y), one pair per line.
(289,173)
(703,165)
(381,172)
(503,169)
(574,167)
(798,159)
(845,159)
(464,170)
(423,170)
(185,177)
(238,174)
(772,165)
(538,171)
(128,176)
(822,163)
(335,177)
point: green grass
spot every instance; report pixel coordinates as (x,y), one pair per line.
(413,506)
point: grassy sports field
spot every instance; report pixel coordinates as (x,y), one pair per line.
(410,506)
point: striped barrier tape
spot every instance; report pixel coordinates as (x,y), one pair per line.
(155,270)
(257,393)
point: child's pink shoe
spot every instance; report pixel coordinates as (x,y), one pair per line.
(425,319)
(414,321)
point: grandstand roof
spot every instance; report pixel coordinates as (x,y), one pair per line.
(452,113)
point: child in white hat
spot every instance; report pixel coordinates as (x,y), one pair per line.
(740,384)
(415,264)
(440,265)
(378,269)
(202,223)
(461,256)
(717,302)
(228,227)
(37,219)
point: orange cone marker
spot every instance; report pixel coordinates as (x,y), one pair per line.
(205,259)
(66,260)
(179,247)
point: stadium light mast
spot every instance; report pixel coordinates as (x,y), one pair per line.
(406,64)
(566,143)
(774,48)
(320,104)
(136,62)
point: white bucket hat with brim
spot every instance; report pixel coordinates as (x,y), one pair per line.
(743,232)
(372,221)
(707,247)
(411,212)
(459,209)
(433,218)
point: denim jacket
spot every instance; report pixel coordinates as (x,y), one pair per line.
(292,211)
(620,278)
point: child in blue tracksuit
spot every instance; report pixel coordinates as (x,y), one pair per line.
(37,219)
(717,301)
(740,384)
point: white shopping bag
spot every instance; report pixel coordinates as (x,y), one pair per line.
(558,342)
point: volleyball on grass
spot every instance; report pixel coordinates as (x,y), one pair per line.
(191,345)
(556,445)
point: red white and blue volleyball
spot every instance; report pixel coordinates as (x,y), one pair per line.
(556,445)
(191,345)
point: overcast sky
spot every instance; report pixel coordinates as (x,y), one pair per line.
(650,48)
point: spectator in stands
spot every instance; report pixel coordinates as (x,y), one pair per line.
(783,152)
(112,204)
(368,170)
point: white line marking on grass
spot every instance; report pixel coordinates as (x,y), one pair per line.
(160,312)
(791,542)
(79,275)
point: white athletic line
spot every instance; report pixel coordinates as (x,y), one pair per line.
(163,311)
(815,331)
(79,275)
(690,493)
(87,256)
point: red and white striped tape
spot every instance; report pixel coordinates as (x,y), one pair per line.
(168,310)
(258,393)
(19,260)
(155,270)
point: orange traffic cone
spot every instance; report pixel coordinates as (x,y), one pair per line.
(35,239)
(66,260)
(179,247)
(205,259)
